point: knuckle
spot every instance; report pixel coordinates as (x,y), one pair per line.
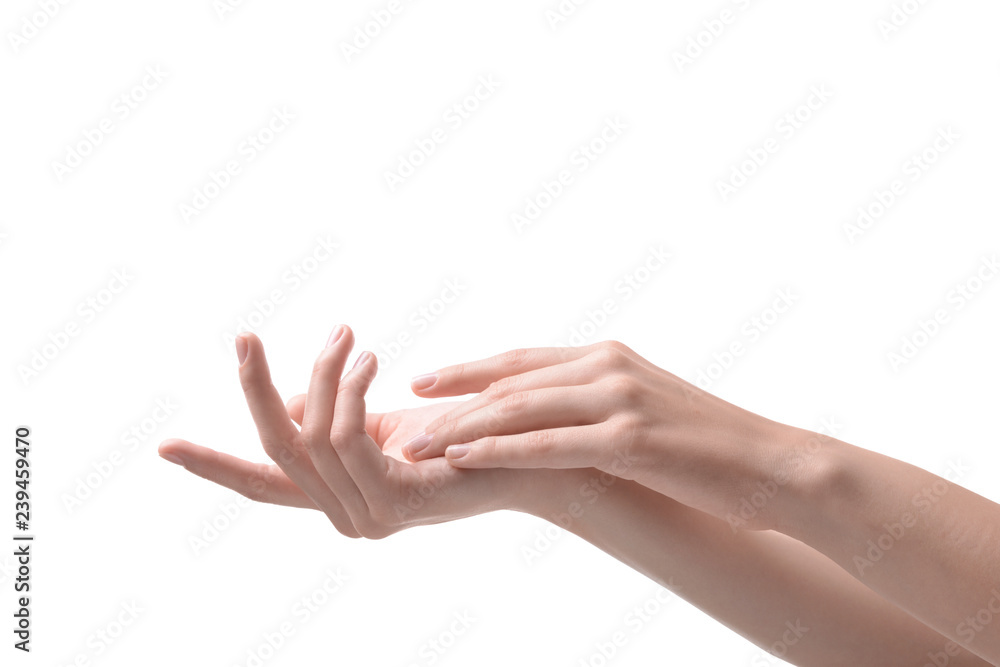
(310,439)
(513,405)
(541,442)
(273,449)
(502,387)
(340,441)
(608,358)
(281,453)
(514,358)
(259,485)
(617,346)
(622,386)
(455,374)
(626,436)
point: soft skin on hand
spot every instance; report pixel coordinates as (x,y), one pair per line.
(601,410)
(343,461)
(604,406)
(886,522)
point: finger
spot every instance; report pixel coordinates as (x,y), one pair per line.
(278,434)
(296,407)
(566,447)
(319,410)
(362,458)
(257,481)
(533,410)
(571,374)
(475,376)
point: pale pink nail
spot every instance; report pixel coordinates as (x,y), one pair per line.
(335,335)
(457,451)
(425,381)
(362,359)
(418,443)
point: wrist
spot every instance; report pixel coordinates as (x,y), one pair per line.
(549,494)
(806,478)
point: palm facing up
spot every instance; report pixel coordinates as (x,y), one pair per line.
(343,461)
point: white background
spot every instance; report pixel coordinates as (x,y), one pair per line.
(191,282)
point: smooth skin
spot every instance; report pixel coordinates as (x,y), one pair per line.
(350,464)
(930,547)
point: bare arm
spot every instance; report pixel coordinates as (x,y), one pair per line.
(768,587)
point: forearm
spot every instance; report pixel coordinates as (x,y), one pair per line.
(929,546)
(764,585)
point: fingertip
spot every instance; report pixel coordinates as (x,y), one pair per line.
(417,446)
(364,359)
(458,454)
(168,452)
(423,382)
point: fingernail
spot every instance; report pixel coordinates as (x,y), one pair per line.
(242,347)
(425,381)
(362,359)
(418,443)
(457,451)
(173,459)
(335,335)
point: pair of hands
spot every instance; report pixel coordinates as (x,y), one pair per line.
(543,419)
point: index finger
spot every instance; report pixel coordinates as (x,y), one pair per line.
(475,376)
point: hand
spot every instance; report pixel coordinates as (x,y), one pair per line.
(344,462)
(604,406)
